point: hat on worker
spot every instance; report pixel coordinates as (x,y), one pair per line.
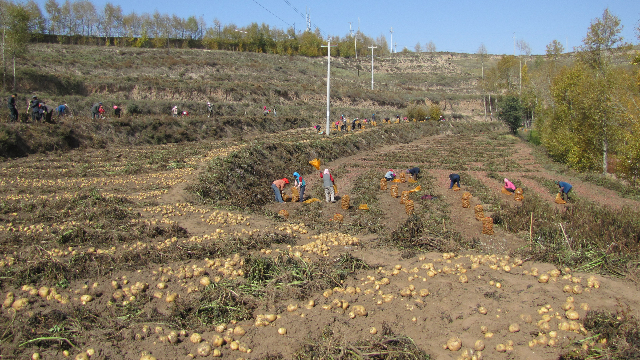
(296,174)
(286,181)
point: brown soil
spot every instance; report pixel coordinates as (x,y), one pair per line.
(458,285)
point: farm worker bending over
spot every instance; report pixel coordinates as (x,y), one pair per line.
(62,110)
(414,172)
(564,189)
(455,179)
(390,175)
(277,187)
(509,185)
(300,184)
(327,182)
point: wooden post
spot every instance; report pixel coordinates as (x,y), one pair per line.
(531,232)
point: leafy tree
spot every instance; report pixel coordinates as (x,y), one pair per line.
(603,36)
(16,19)
(510,111)
(310,44)
(554,49)
(587,117)
(504,76)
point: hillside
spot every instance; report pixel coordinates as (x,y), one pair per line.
(153,237)
(236,83)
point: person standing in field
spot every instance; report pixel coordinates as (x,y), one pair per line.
(174,111)
(95,110)
(47,112)
(564,189)
(12,107)
(277,187)
(300,184)
(116,111)
(327,183)
(508,185)
(35,109)
(209,109)
(455,179)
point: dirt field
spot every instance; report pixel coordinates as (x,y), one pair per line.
(121,305)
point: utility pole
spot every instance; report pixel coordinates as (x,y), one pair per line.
(372,47)
(328,46)
(484,99)
(355,40)
(391,31)
(355,45)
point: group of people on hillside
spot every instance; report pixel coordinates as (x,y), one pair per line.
(266,111)
(98,111)
(41,111)
(38,109)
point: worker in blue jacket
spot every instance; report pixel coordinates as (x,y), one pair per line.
(564,189)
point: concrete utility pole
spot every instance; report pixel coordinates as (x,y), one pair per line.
(355,44)
(391,31)
(355,39)
(328,46)
(372,47)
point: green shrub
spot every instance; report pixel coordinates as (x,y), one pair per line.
(418,112)
(435,112)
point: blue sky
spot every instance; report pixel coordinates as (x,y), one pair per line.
(458,26)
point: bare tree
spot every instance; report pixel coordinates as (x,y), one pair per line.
(110,21)
(430,47)
(418,48)
(523,47)
(53,10)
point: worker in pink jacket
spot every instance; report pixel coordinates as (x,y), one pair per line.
(509,185)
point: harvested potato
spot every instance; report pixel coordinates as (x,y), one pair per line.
(454,344)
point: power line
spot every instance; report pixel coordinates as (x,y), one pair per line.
(304,16)
(269,11)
